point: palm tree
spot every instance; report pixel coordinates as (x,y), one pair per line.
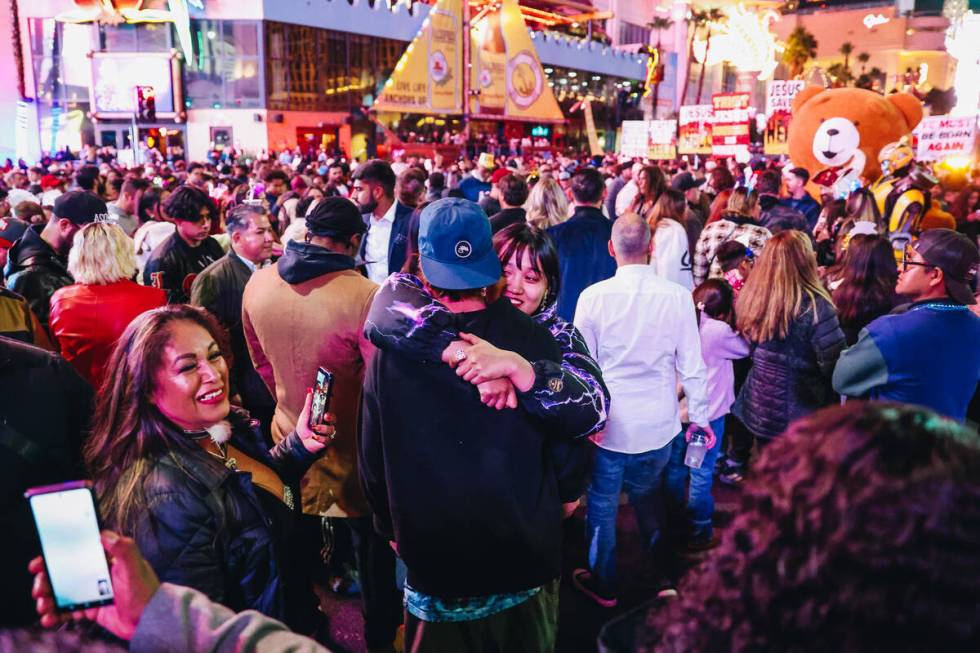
(801,46)
(660,24)
(17,46)
(715,14)
(695,21)
(863,59)
(846,48)
(840,74)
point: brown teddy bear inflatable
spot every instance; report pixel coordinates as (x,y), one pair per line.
(836,134)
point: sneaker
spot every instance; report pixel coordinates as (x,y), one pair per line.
(733,475)
(722,463)
(701,544)
(584,582)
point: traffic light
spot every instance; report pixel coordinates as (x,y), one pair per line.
(146,104)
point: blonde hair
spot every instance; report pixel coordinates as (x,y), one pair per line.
(772,298)
(101,253)
(546,205)
(742,201)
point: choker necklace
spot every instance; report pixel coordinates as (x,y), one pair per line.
(219,434)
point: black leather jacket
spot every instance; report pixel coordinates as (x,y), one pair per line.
(205,527)
(35,271)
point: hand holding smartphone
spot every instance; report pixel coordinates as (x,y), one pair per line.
(68,527)
(322,391)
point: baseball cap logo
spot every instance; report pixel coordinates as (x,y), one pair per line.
(463,249)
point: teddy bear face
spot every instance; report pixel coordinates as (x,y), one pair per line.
(836,142)
(845,128)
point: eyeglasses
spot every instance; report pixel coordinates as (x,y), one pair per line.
(907,263)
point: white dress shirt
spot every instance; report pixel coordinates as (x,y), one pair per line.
(643,332)
(376,249)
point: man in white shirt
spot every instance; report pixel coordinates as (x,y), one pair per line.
(643,332)
(383,247)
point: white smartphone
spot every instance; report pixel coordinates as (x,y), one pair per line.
(68,526)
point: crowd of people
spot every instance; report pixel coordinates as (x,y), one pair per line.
(513,341)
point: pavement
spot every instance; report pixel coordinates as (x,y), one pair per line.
(579,619)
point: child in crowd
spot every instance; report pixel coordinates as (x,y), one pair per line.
(720,344)
(735,260)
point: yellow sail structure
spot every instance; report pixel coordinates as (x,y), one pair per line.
(427,79)
(507,80)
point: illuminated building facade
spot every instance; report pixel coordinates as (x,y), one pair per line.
(252,74)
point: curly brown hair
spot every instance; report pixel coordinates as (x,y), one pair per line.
(859,530)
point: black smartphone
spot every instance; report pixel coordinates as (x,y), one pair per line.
(67,524)
(322,389)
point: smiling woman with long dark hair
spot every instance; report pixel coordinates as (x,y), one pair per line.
(188,477)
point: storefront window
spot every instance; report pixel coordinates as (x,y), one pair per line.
(62,69)
(309,69)
(139,37)
(224,71)
(631,33)
(62,77)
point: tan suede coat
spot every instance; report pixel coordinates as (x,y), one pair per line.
(293,329)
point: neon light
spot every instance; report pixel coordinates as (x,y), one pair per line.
(872,21)
(652,62)
(963,44)
(744,40)
(132,11)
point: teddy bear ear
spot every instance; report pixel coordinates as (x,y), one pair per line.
(909,106)
(804,96)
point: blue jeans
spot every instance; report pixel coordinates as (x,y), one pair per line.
(642,475)
(699,504)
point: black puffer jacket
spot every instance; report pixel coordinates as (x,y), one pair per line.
(35,271)
(790,377)
(206,527)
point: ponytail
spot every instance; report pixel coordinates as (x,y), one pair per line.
(715,298)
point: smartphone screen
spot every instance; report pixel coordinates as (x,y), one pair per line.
(321,396)
(68,527)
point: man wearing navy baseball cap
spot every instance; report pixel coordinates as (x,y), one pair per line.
(466,493)
(455,247)
(38,262)
(925,352)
